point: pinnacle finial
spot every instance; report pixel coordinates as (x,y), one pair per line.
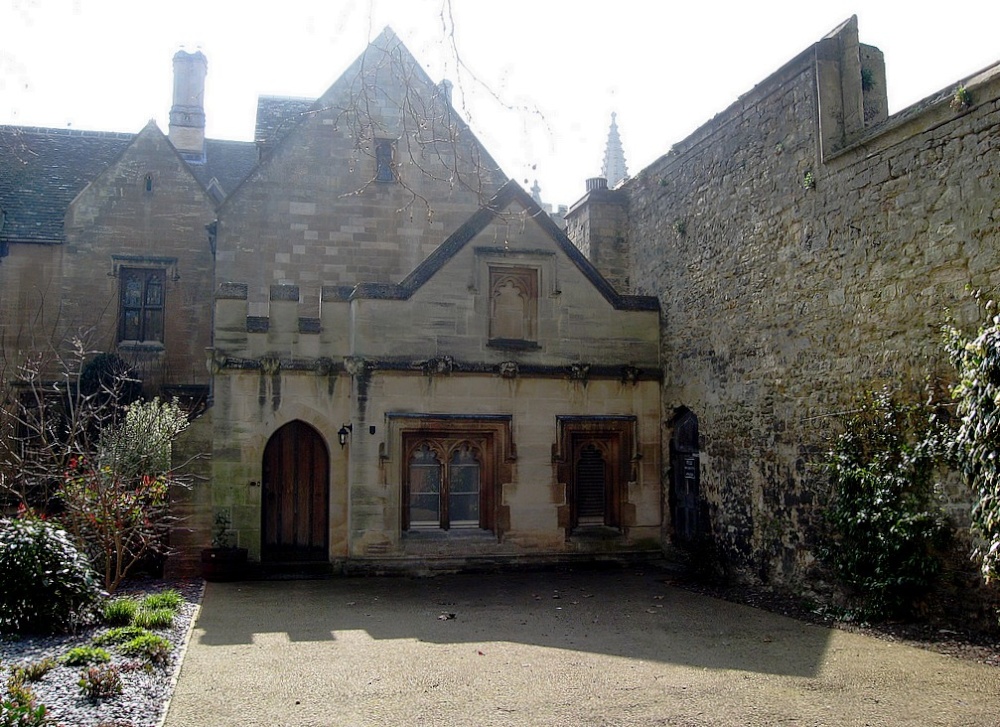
(614,168)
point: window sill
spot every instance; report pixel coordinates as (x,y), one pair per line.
(595,532)
(513,344)
(458,534)
(142,346)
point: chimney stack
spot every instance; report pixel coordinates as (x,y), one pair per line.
(187,115)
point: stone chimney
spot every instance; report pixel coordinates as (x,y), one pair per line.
(187,115)
(596,225)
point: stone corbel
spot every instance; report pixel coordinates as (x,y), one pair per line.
(442,365)
(508,369)
(579,372)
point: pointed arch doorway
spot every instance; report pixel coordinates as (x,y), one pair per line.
(296,496)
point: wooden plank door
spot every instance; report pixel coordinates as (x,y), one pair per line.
(296,491)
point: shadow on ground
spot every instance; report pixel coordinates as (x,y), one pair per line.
(629,613)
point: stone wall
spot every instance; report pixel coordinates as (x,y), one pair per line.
(797,268)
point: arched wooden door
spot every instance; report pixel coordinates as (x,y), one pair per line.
(295,510)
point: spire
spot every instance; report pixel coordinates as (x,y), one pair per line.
(536,193)
(614,169)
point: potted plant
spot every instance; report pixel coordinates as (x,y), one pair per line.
(224,561)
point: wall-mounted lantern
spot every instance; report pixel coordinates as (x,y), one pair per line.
(343,433)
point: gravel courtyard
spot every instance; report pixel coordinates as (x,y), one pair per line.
(568,647)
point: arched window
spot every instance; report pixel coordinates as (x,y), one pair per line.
(444,483)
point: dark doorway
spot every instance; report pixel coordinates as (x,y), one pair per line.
(594,458)
(684,470)
(295,509)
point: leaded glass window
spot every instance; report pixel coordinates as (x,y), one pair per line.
(142,299)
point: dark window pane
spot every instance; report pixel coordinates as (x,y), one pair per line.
(425,489)
(130,326)
(133,292)
(154,291)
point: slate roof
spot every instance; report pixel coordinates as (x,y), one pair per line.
(277,115)
(229,162)
(42,170)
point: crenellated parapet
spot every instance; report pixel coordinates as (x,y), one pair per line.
(285,333)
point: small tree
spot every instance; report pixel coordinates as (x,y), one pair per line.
(116,501)
(884,528)
(977,441)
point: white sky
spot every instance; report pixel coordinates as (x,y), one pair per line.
(561,66)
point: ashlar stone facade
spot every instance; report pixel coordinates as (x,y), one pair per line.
(420,368)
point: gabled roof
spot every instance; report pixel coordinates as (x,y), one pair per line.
(278,116)
(43,170)
(509,194)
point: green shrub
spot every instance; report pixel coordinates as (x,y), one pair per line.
(170,599)
(100,682)
(34,671)
(83,655)
(46,584)
(884,530)
(977,441)
(119,611)
(18,706)
(119,635)
(153,648)
(153,618)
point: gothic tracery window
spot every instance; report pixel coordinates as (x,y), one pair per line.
(444,483)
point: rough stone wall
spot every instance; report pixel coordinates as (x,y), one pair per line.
(116,222)
(794,284)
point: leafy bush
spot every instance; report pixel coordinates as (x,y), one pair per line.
(83,655)
(100,682)
(170,599)
(153,648)
(154,618)
(978,438)
(884,529)
(119,635)
(116,497)
(119,611)
(46,584)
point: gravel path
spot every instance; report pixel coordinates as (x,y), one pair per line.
(145,694)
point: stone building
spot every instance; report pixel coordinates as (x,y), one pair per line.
(407,360)
(410,364)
